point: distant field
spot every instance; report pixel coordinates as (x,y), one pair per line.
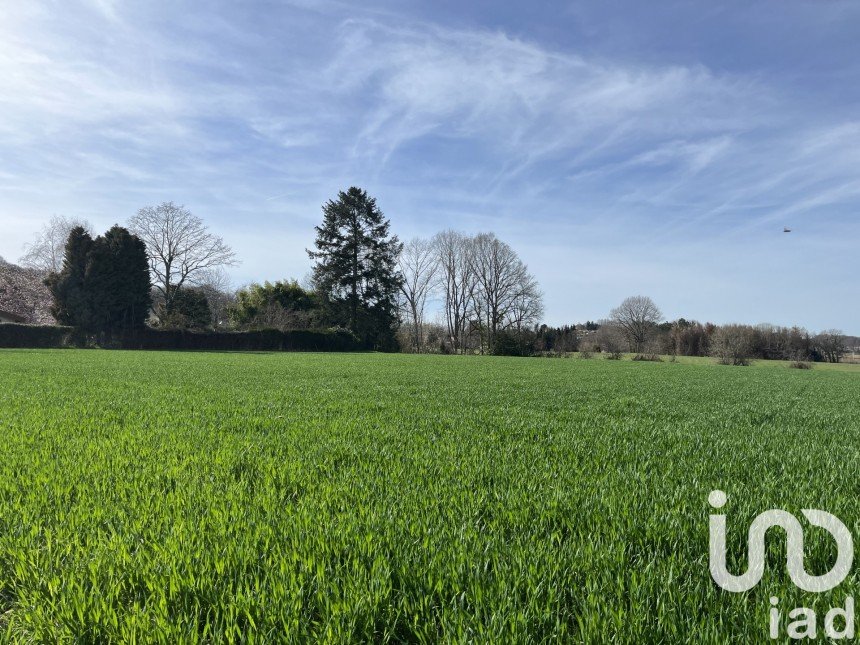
(205,497)
(845,366)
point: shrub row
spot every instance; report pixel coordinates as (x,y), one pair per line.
(269,340)
(265,340)
(34,336)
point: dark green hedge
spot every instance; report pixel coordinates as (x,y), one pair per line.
(267,340)
(35,336)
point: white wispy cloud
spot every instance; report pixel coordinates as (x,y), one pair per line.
(520,99)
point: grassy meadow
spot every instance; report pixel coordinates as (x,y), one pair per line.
(215,497)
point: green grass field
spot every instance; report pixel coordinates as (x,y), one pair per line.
(190,497)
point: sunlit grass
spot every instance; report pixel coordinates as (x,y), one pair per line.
(184,497)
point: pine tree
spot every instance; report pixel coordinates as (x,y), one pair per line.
(355,271)
(70,305)
(104,285)
(117,281)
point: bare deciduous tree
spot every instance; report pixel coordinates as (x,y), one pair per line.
(506,295)
(527,307)
(181,249)
(46,252)
(732,344)
(831,344)
(487,288)
(418,264)
(457,281)
(636,316)
(609,337)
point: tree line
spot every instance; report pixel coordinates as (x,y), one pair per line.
(637,326)
(166,270)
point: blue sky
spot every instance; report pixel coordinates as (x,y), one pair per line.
(620,147)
